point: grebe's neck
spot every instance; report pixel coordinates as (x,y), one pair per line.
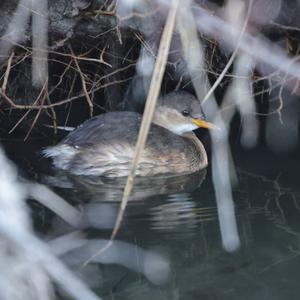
(172,120)
(198,144)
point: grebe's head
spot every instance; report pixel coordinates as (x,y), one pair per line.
(180,112)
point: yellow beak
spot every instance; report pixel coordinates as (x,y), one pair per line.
(203,124)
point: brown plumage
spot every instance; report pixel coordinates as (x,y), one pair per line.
(105,145)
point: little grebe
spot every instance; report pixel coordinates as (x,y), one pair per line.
(105,144)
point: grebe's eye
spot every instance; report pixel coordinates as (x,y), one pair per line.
(185,113)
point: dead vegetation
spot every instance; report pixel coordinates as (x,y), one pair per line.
(106,55)
(95,71)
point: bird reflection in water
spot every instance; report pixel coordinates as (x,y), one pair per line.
(98,200)
(90,188)
(99,197)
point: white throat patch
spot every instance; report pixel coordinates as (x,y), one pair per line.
(183,128)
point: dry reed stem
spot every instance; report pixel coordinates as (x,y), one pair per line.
(153,94)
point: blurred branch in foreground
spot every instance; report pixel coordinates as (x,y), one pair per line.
(29,265)
(27,274)
(92,67)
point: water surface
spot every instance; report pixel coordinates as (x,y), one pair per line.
(176,218)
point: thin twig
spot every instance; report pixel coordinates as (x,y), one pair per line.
(39,111)
(7,72)
(61,102)
(86,93)
(53,113)
(259,49)
(34,103)
(233,55)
